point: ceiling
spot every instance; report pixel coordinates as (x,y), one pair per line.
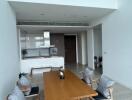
(35,12)
(26,11)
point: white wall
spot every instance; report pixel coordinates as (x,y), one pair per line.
(79,49)
(117,40)
(90,48)
(84,47)
(97,42)
(9,60)
(87,3)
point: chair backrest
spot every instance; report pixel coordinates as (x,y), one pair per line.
(37,74)
(40,70)
(56,68)
(88,76)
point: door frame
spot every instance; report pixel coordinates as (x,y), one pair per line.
(76,45)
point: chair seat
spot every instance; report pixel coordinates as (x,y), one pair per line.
(34,91)
(100,96)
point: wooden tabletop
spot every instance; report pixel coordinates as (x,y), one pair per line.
(70,88)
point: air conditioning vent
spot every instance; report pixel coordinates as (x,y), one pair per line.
(53,23)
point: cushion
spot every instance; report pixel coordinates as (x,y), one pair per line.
(17,94)
(103,86)
(87,75)
(13,97)
(24,81)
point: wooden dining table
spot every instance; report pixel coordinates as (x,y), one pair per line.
(69,88)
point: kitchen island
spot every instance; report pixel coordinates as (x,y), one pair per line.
(37,62)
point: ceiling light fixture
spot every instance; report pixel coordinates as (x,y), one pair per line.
(85,16)
(42,14)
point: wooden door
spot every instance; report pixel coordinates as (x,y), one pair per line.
(70,49)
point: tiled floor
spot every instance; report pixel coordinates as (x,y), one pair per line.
(120,92)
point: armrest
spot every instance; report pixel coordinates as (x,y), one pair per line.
(111,92)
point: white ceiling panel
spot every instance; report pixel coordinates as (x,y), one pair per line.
(26,11)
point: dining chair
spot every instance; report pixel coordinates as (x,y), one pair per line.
(95,61)
(56,68)
(16,94)
(39,69)
(34,93)
(31,90)
(104,89)
(100,61)
(87,76)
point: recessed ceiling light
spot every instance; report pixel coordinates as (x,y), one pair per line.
(85,16)
(42,14)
